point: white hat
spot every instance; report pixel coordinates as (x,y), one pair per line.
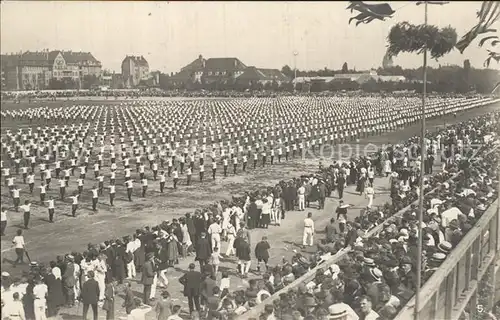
(5,274)
(337,311)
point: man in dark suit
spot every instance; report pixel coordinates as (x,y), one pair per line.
(340,185)
(90,295)
(192,282)
(203,250)
(148,275)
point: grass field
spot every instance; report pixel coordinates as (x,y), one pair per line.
(45,241)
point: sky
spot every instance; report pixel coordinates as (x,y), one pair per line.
(262,34)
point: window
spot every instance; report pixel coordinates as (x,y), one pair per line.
(209,73)
(216,73)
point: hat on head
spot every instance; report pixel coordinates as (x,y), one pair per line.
(376,274)
(438,257)
(5,274)
(445,247)
(369,262)
(406,260)
(149,255)
(337,311)
(404,232)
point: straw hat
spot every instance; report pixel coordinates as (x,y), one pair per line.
(337,311)
(376,274)
(445,247)
(369,262)
(438,257)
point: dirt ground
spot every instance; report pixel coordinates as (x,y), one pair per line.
(45,240)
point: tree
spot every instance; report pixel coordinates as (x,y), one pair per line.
(89,80)
(345,68)
(287,71)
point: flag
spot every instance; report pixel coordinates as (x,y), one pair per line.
(369,12)
(432,2)
(488,15)
(492,56)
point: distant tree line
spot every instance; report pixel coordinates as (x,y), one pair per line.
(450,79)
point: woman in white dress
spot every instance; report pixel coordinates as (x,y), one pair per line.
(387,167)
(276,211)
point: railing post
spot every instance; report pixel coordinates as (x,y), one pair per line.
(473,307)
(468,265)
(475,257)
(491,284)
(450,292)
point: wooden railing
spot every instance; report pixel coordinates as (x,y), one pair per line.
(335,259)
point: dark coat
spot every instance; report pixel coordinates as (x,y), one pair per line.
(243,250)
(207,287)
(253,212)
(340,182)
(90,291)
(330,231)
(203,249)
(109,301)
(190,226)
(148,273)
(262,250)
(119,263)
(192,283)
(199,225)
(129,303)
(55,296)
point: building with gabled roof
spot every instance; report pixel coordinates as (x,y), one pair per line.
(275,75)
(254,75)
(134,69)
(224,70)
(33,70)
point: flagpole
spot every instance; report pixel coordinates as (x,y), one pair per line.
(423,154)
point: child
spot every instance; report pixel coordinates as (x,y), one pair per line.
(369,193)
(225,283)
(262,252)
(215,260)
